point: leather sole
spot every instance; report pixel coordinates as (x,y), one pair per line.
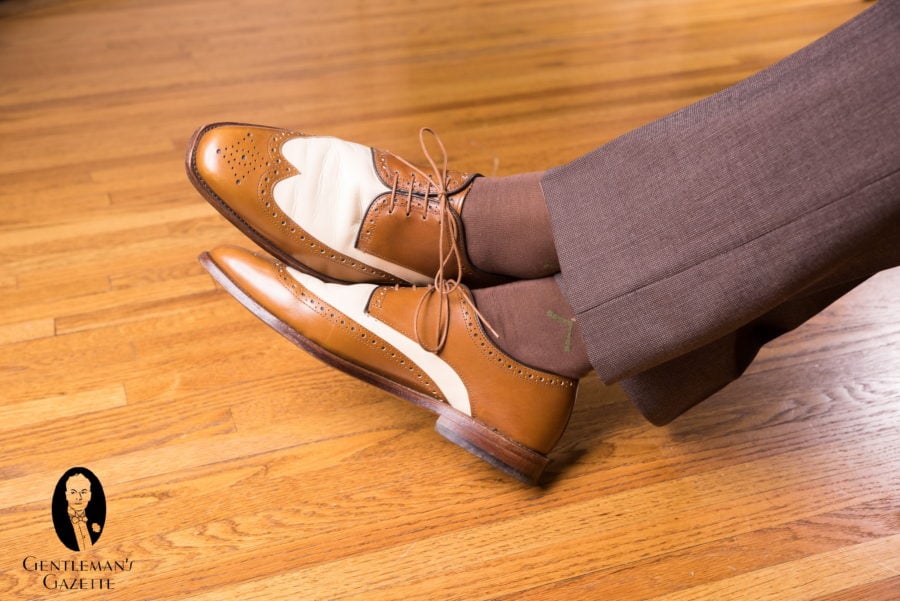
(481,440)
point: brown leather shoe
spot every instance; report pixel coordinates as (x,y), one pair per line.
(335,209)
(491,405)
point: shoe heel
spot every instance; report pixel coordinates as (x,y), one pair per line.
(485,443)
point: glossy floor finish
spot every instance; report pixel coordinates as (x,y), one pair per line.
(237,467)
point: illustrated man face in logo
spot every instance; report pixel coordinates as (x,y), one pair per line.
(78,508)
(78,495)
(78,492)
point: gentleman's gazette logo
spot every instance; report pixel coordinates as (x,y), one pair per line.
(79,515)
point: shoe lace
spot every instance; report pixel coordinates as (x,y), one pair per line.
(436,185)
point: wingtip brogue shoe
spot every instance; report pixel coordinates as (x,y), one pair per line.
(335,209)
(504,412)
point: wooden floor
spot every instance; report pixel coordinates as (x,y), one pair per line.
(237,467)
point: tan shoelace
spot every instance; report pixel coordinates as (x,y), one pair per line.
(449,227)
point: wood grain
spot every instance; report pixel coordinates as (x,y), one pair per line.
(237,467)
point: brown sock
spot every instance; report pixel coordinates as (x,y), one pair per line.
(507,227)
(536,325)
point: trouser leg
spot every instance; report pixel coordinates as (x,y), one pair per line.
(665,391)
(686,232)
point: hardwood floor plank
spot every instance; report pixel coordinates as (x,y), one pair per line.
(727,557)
(26,330)
(235,466)
(808,578)
(532,546)
(28,413)
(883,590)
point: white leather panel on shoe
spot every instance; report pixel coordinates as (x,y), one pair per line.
(329,196)
(351,300)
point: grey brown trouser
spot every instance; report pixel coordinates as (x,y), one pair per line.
(688,243)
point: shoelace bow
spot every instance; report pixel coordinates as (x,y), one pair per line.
(448,227)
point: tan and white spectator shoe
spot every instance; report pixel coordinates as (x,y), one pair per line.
(335,209)
(424,344)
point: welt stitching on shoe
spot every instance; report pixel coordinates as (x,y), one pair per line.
(378,344)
